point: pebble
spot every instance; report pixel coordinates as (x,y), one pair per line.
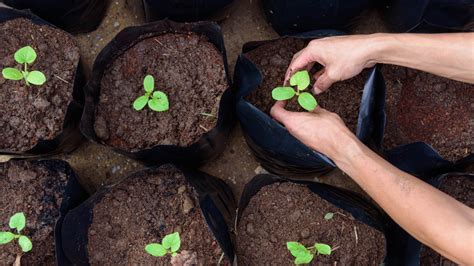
(305,233)
(295,215)
(187,205)
(250,229)
(181,189)
(116,24)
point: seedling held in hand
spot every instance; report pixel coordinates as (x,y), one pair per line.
(169,245)
(18,222)
(25,56)
(156,100)
(301,81)
(304,255)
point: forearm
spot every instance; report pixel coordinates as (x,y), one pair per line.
(448,55)
(428,214)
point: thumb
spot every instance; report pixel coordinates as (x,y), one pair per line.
(279,113)
(322,83)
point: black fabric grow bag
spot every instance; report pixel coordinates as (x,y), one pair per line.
(183,10)
(70,137)
(275,148)
(216,202)
(361,209)
(296,16)
(211,143)
(71,15)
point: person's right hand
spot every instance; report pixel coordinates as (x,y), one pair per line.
(342,57)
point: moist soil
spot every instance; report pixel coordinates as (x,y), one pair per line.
(273,59)
(32,113)
(36,190)
(462,189)
(284,212)
(424,107)
(187,67)
(142,210)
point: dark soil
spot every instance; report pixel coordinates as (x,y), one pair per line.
(32,113)
(188,68)
(428,108)
(142,210)
(462,189)
(285,212)
(36,190)
(272,60)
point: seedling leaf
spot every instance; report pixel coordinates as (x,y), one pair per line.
(36,78)
(304,259)
(300,79)
(149,83)
(156,250)
(12,73)
(159,102)
(307,101)
(25,55)
(17,221)
(296,249)
(25,243)
(140,102)
(323,248)
(172,242)
(328,216)
(283,93)
(6,237)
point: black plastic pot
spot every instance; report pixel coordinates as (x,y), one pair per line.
(183,10)
(211,143)
(361,209)
(71,15)
(216,201)
(70,137)
(275,148)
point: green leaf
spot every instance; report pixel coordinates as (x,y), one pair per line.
(283,93)
(328,216)
(300,79)
(140,102)
(172,242)
(304,259)
(149,83)
(296,249)
(17,221)
(25,243)
(12,73)
(323,248)
(307,101)
(25,55)
(6,237)
(159,102)
(156,250)
(36,78)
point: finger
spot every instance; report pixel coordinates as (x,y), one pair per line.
(322,83)
(279,113)
(301,61)
(318,74)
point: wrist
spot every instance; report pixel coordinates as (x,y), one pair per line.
(350,153)
(379,45)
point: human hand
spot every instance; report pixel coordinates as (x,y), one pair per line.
(321,130)
(342,57)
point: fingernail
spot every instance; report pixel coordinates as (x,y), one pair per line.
(317,90)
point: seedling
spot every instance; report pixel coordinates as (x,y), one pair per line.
(301,81)
(328,216)
(169,245)
(304,255)
(18,222)
(25,56)
(156,100)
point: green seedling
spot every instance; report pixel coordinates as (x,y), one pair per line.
(304,255)
(156,100)
(328,216)
(301,80)
(169,245)
(25,56)
(18,222)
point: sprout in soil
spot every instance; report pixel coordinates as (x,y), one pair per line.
(156,100)
(18,222)
(25,56)
(301,81)
(304,255)
(169,245)
(328,216)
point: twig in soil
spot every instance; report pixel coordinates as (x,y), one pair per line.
(156,40)
(235,221)
(336,247)
(17,260)
(63,80)
(355,232)
(201,126)
(220,259)
(208,114)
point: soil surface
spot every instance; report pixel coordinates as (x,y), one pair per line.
(462,189)
(284,212)
(272,60)
(32,113)
(142,210)
(36,190)
(188,68)
(428,108)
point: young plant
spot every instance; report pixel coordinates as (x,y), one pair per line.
(25,56)
(169,245)
(18,222)
(156,100)
(301,80)
(304,255)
